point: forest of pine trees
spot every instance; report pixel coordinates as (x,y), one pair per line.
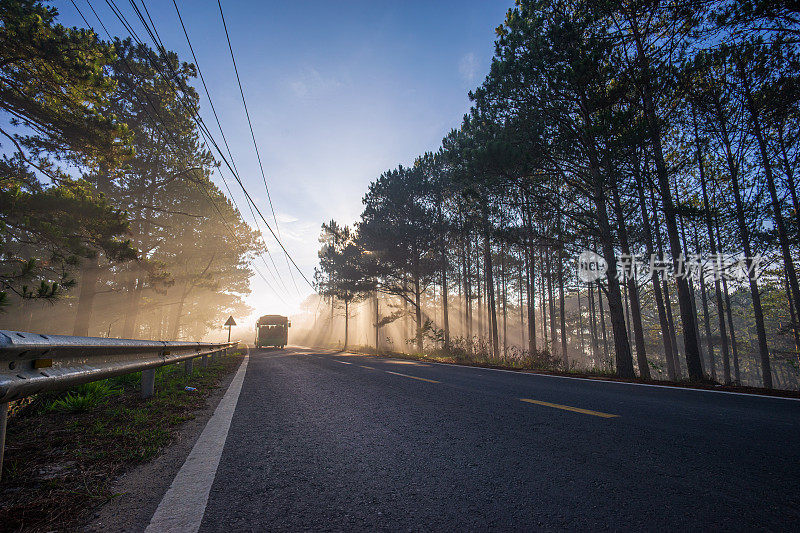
(647,128)
(111,225)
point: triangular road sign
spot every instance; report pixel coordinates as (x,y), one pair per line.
(230,322)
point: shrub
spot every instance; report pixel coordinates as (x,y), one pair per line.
(85,396)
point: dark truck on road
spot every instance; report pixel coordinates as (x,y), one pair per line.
(272,330)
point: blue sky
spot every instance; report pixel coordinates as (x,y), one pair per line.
(338,92)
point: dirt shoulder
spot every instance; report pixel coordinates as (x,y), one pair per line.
(69,463)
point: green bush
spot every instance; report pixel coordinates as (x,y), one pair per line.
(85,396)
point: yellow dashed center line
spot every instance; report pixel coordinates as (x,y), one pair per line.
(527,400)
(568,408)
(412,377)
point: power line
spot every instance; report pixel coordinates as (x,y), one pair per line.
(252,133)
(190,109)
(216,117)
(201,125)
(155,109)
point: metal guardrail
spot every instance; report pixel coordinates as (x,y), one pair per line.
(31,363)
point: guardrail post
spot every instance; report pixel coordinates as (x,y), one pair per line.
(3,420)
(204,361)
(148,382)
(188,366)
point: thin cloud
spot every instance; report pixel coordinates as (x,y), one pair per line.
(468,67)
(310,82)
(285,218)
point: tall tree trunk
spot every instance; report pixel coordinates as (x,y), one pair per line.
(443,255)
(562,309)
(729,314)
(766,163)
(377,324)
(468,291)
(346,322)
(503,300)
(530,275)
(736,375)
(551,307)
(712,367)
(655,277)
(158,330)
(531,285)
(491,301)
(176,317)
(530,280)
(603,328)
(633,290)
(672,331)
(132,307)
(90,271)
(789,171)
(479,290)
(626,302)
(793,318)
(332,319)
(28,320)
(691,290)
(758,312)
(726,365)
(406,325)
(445,315)
(668,326)
(462,306)
(543,302)
(418,311)
(580,324)
(593,316)
(521,283)
(622,347)
(691,345)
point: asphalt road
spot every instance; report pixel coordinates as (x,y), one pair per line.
(325,441)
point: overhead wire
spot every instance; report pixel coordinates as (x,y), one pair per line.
(213,110)
(252,133)
(190,109)
(163,122)
(201,125)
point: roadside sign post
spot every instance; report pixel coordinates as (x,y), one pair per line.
(230,322)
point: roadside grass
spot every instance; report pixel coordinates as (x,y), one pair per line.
(64,449)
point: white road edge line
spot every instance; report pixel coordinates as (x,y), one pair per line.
(184,504)
(605,380)
(619,382)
